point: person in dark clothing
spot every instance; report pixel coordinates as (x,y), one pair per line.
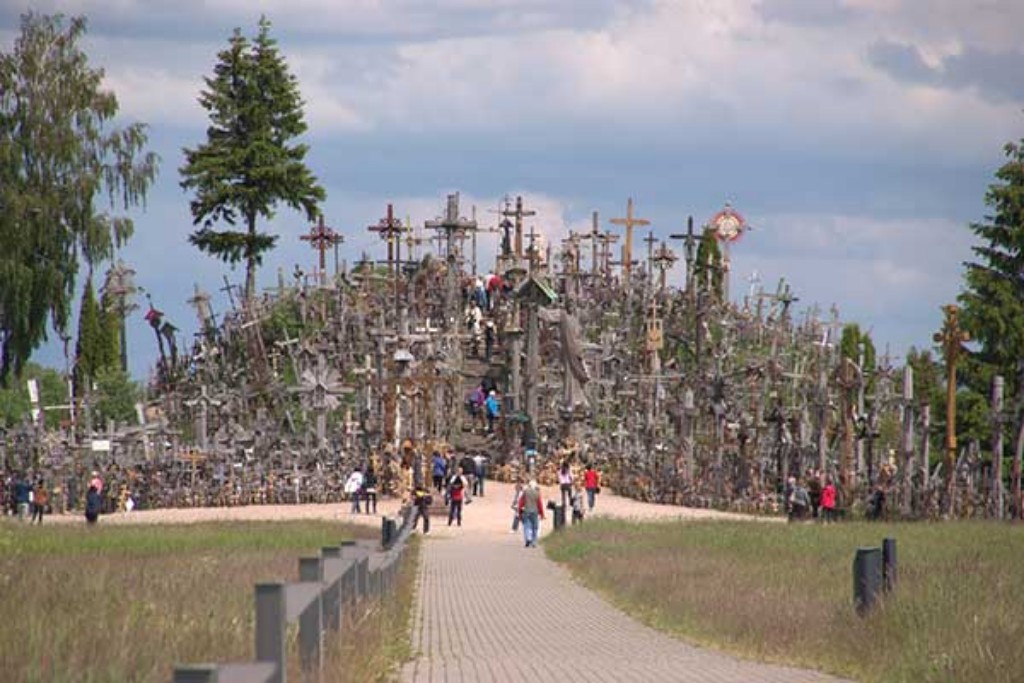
(422,500)
(370,490)
(876,504)
(456,494)
(22,496)
(814,493)
(93,505)
(438,467)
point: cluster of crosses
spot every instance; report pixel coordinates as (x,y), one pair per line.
(680,394)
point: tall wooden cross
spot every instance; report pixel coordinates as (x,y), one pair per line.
(629,222)
(651,240)
(532,252)
(606,239)
(951,337)
(689,240)
(322,237)
(390,229)
(519,214)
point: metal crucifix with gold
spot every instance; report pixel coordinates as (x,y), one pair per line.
(322,237)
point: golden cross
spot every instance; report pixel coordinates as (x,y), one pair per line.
(627,249)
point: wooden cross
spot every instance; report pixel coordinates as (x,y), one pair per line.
(519,213)
(689,240)
(951,337)
(650,239)
(606,239)
(593,237)
(390,229)
(627,248)
(663,259)
(321,237)
(533,254)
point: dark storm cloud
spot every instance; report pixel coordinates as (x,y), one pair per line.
(995,76)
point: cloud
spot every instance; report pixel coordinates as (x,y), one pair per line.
(994,75)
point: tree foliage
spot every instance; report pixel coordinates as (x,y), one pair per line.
(992,299)
(98,339)
(14,399)
(249,162)
(708,268)
(116,396)
(65,170)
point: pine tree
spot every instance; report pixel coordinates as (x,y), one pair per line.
(992,300)
(249,161)
(59,154)
(89,349)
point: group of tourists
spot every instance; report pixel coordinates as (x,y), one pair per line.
(362,487)
(528,508)
(808,498)
(29,498)
(483,404)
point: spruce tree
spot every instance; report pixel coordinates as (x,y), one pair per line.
(992,300)
(708,268)
(59,156)
(250,161)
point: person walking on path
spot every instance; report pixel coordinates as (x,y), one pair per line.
(40,499)
(22,496)
(353,487)
(93,505)
(422,500)
(531,511)
(592,483)
(577,504)
(515,506)
(565,483)
(456,494)
(493,410)
(828,501)
(479,473)
(438,466)
(370,489)
(799,501)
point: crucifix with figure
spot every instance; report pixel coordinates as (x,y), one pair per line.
(322,237)
(390,229)
(518,214)
(630,222)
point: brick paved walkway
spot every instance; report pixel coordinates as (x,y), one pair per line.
(489,609)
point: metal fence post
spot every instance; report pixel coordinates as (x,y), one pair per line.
(270,627)
(889,570)
(332,594)
(867,579)
(311,620)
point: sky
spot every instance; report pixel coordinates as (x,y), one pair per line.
(856,137)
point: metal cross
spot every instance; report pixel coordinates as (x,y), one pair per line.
(321,237)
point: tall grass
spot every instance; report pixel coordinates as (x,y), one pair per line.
(127,603)
(784,593)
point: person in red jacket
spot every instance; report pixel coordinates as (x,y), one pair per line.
(828,500)
(592,483)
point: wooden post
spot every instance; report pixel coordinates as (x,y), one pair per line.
(908,438)
(270,627)
(951,336)
(997,447)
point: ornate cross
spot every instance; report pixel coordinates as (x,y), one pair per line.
(390,229)
(663,259)
(321,237)
(627,248)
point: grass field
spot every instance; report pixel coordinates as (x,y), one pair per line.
(126,603)
(783,593)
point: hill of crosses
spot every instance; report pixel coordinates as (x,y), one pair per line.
(684,394)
